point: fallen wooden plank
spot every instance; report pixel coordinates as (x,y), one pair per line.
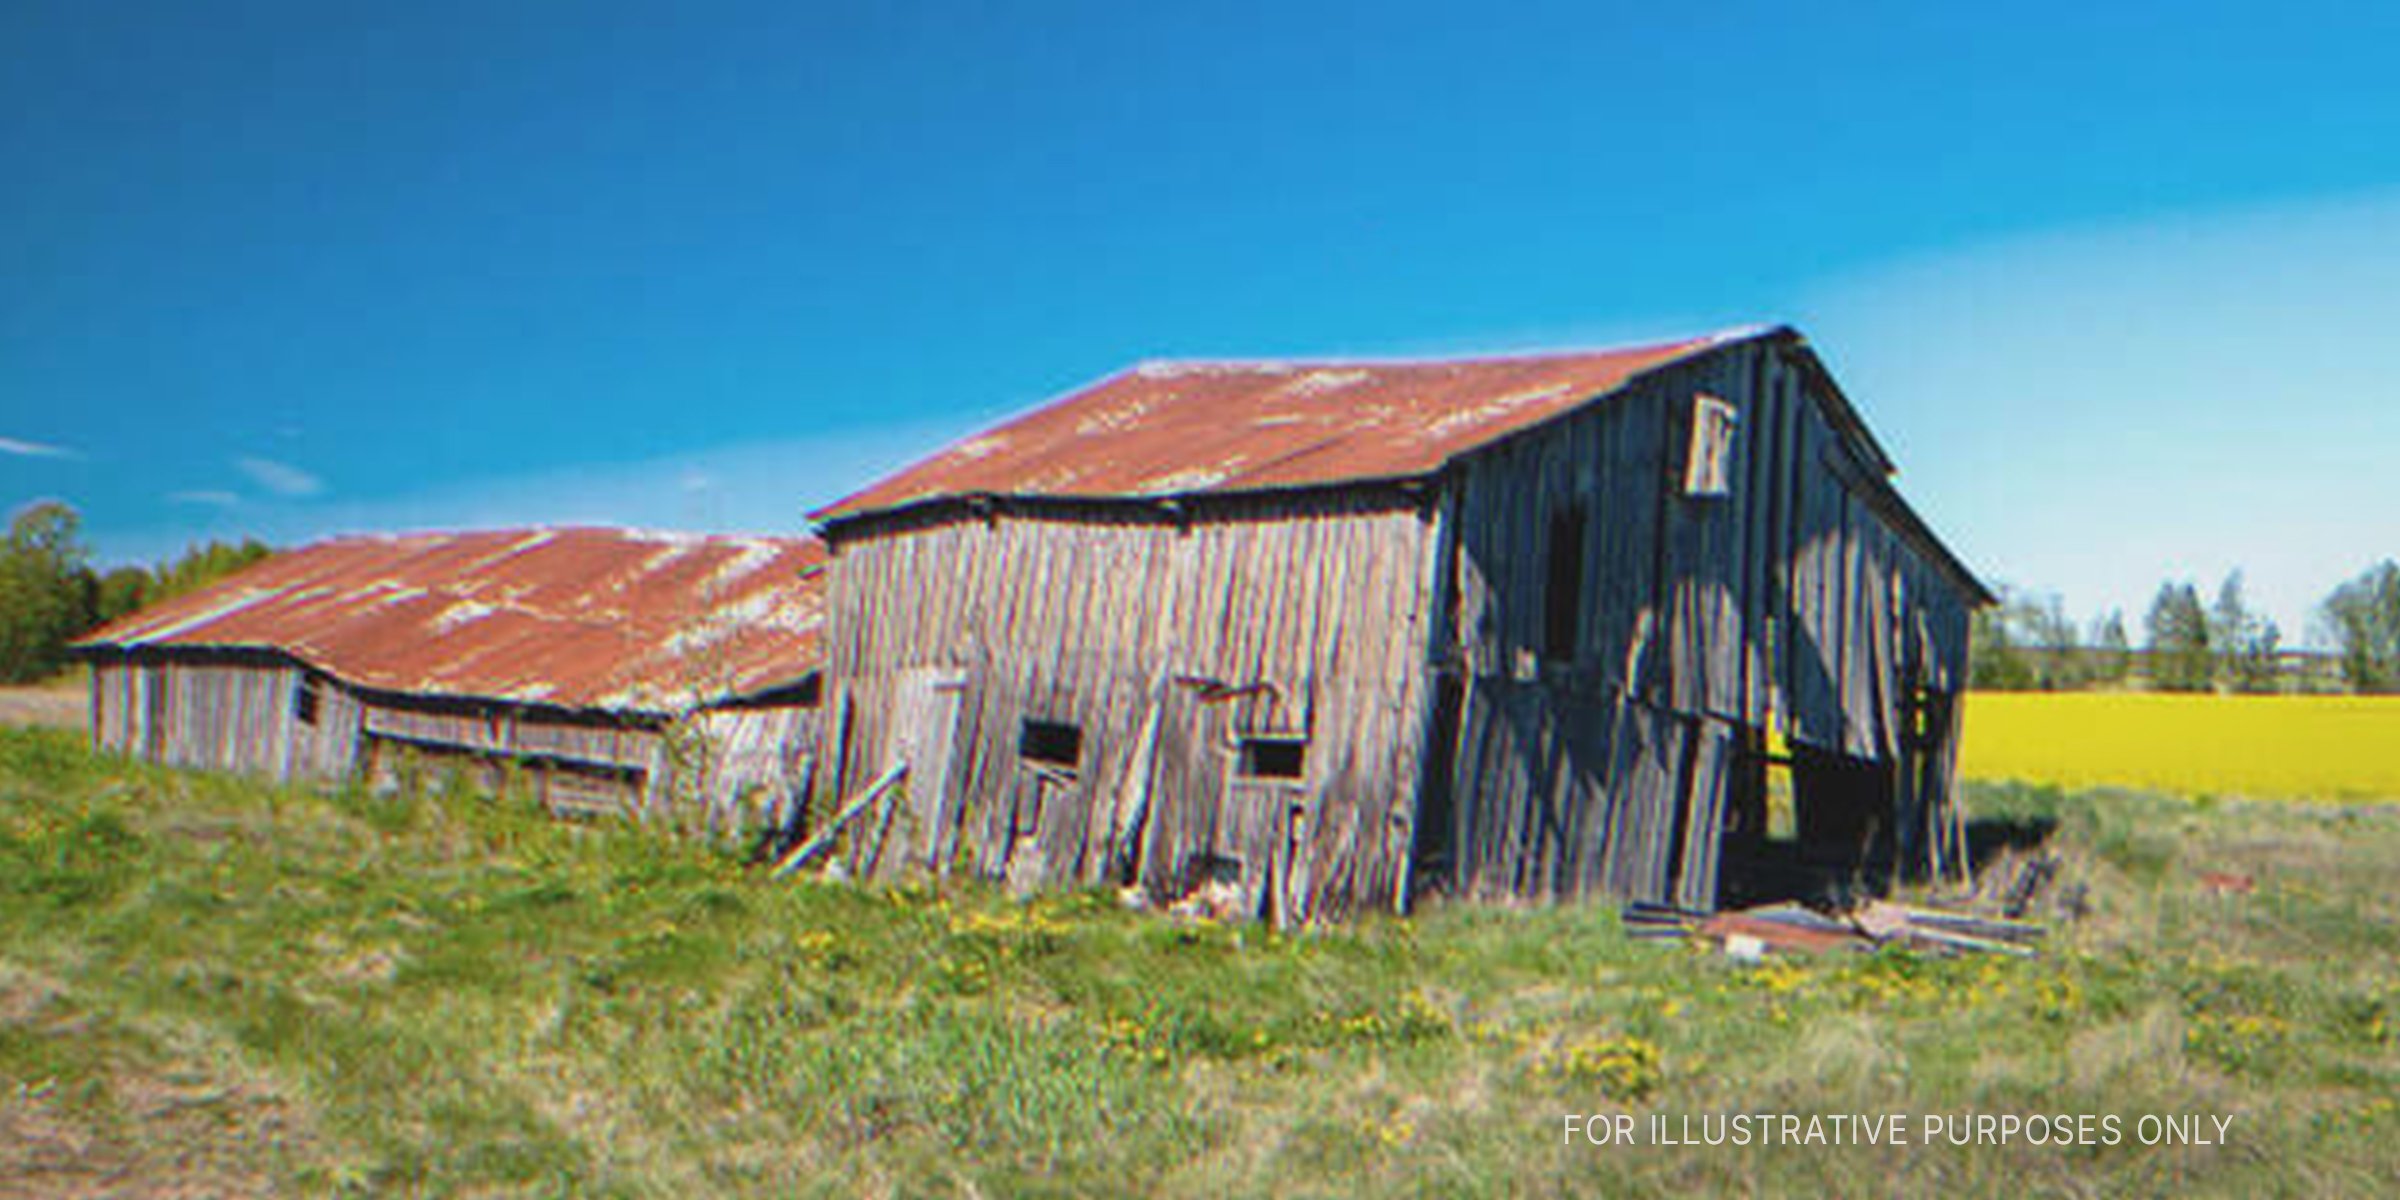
(1997,928)
(1643,912)
(1960,941)
(1657,933)
(824,837)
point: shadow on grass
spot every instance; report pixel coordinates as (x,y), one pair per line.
(1989,838)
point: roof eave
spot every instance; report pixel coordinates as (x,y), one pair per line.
(830,528)
(89,651)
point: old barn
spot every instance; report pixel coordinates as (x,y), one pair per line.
(613,671)
(1339,633)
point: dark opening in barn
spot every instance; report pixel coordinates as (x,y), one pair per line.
(304,699)
(1562,585)
(1273,757)
(1051,744)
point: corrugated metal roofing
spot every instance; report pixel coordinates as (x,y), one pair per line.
(1171,428)
(575,618)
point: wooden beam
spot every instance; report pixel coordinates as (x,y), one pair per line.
(824,837)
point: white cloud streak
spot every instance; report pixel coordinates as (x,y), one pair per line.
(283,479)
(25,449)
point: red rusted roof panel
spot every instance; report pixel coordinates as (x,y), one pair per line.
(578,618)
(1173,428)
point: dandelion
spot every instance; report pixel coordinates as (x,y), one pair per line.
(1624,1068)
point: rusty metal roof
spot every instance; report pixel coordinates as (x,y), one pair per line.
(1174,428)
(574,618)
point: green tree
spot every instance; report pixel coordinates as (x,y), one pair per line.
(2245,641)
(2112,651)
(200,566)
(2181,659)
(2043,624)
(46,591)
(2362,618)
(120,591)
(1996,660)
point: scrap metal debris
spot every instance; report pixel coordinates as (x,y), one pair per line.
(1798,929)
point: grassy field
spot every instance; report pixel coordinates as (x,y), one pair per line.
(2328,747)
(215,987)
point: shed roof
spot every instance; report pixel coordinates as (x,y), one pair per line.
(581,618)
(1175,428)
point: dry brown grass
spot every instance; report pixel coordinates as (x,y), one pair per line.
(60,703)
(132,1124)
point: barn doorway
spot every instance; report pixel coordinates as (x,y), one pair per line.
(1050,761)
(1258,827)
(925,735)
(1806,823)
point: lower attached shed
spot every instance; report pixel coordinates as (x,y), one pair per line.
(1339,633)
(613,671)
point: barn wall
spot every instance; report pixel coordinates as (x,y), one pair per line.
(116,706)
(202,711)
(751,761)
(1164,643)
(1798,598)
(762,763)
(222,715)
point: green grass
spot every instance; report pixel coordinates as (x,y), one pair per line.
(326,992)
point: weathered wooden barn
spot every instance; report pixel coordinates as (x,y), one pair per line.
(614,671)
(1343,632)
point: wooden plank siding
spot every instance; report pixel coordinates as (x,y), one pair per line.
(223,715)
(1789,599)
(1164,639)
(760,763)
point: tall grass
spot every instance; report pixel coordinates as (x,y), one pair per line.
(447,994)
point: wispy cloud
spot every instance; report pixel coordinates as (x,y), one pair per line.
(9,445)
(283,479)
(2095,411)
(758,487)
(208,498)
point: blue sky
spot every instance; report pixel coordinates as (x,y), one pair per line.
(2113,282)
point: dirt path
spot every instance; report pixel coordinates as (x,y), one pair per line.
(59,706)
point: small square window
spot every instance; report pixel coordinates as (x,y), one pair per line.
(1708,468)
(304,700)
(1272,758)
(1051,744)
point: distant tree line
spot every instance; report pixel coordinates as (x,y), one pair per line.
(2028,643)
(50,594)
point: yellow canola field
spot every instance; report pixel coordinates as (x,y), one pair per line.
(2329,747)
